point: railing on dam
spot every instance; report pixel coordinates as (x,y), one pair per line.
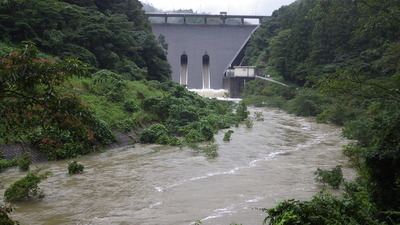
(204,18)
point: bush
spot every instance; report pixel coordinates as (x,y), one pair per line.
(241,111)
(110,84)
(337,114)
(227,135)
(211,151)
(193,136)
(156,133)
(131,106)
(103,132)
(24,162)
(57,144)
(181,115)
(249,123)
(74,168)
(5,164)
(25,188)
(259,116)
(306,103)
(333,177)
(5,219)
(324,208)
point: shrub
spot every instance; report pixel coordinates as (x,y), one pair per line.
(333,177)
(57,144)
(324,208)
(181,115)
(259,116)
(5,219)
(207,131)
(337,114)
(109,84)
(306,103)
(103,132)
(227,135)
(211,151)
(5,164)
(131,106)
(174,141)
(25,188)
(24,162)
(193,136)
(249,123)
(74,168)
(241,111)
(156,133)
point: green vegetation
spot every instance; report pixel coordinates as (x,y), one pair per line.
(249,123)
(352,208)
(5,219)
(74,168)
(68,108)
(5,164)
(341,61)
(26,187)
(24,162)
(210,150)
(113,35)
(227,135)
(333,177)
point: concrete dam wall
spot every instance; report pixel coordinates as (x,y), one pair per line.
(200,53)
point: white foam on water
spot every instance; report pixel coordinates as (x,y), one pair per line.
(220,212)
(251,164)
(211,93)
(257,199)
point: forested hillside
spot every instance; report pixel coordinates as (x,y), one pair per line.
(342,60)
(71,72)
(113,35)
(315,37)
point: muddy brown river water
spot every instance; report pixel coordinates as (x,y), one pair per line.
(151,184)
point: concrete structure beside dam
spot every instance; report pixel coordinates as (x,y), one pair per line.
(199,53)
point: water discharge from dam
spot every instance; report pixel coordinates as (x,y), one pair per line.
(184,69)
(206,71)
(152,184)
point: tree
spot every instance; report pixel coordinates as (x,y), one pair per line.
(26,187)
(31,95)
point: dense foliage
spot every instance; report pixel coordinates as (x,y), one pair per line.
(33,103)
(184,114)
(74,167)
(26,187)
(113,35)
(333,177)
(353,208)
(341,59)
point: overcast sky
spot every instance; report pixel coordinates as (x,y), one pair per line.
(243,7)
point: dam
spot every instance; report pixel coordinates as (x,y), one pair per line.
(201,47)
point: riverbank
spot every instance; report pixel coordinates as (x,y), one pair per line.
(14,150)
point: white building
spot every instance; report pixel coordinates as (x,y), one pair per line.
(244,71)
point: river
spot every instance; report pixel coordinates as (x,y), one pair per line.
(152,184)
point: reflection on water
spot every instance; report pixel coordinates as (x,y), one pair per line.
(151,184)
